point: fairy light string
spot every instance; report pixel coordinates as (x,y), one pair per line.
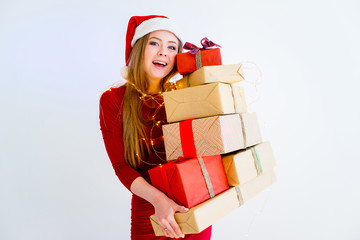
(258,212)
(155,98)
(253,78)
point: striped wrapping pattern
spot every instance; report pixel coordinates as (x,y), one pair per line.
(172,143)
(207,137)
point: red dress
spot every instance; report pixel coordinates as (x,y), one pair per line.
(112,130)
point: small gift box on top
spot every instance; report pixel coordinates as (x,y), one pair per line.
(198,57)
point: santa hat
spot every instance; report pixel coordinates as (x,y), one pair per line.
(139,26)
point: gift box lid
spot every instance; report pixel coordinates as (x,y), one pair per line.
(230,74)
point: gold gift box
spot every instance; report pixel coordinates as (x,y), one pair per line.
(245,165)
(203,101)
(207,213)
(223,73)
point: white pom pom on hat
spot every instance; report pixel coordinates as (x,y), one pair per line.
(139,26)
(125,72)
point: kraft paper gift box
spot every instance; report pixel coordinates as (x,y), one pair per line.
(207,213)
(187,62)
(212,135)
(191,181)
(225,73)
(203,101)
(245,165)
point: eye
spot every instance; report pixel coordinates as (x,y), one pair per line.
(154,43)
(172,48)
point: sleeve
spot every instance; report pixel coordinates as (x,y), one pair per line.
(112,131)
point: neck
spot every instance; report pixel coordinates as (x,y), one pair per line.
(154,87)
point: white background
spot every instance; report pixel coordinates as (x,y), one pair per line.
(56,58)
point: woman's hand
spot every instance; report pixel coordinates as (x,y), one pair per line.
(165,209)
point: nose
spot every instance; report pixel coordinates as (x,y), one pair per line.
(162,51)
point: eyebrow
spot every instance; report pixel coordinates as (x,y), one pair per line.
(161,40)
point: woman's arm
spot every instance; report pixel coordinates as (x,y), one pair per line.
(165,208)
(112,130)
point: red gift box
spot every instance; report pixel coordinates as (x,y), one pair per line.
(186,62)
(187,183)
(198,57)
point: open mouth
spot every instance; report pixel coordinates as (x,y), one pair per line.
(159,63)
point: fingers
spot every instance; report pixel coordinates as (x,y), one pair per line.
(182,209)
(164,212)
(168,231)
(171,229)
(176,229)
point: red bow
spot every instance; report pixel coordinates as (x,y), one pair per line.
(205,42)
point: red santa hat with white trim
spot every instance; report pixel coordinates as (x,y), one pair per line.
(139,26)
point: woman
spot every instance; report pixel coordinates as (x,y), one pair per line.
(131,117)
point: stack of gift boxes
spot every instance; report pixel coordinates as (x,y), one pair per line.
(217,160)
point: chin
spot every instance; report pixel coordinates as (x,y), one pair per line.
(159,75)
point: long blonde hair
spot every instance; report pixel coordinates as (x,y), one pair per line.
(133,121)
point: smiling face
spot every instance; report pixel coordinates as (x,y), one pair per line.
(159,57)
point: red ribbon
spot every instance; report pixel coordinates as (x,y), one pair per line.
(187,139)
(205,42)
(189,151)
